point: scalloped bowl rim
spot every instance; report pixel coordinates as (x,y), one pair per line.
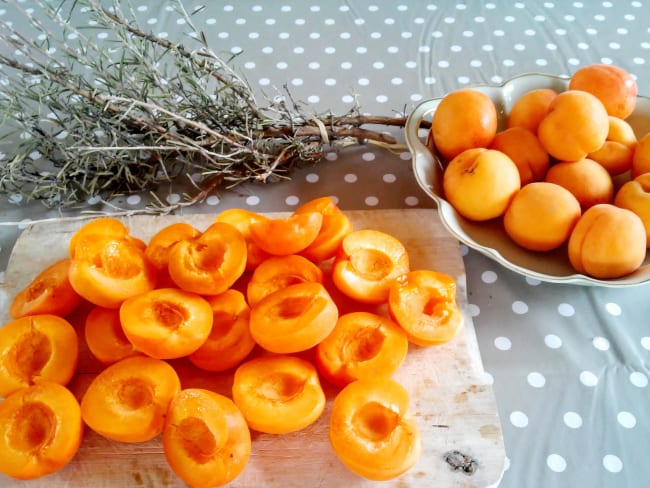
(489,239)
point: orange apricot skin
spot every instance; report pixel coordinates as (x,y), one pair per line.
(128,401)
(162,242)
(362,345)
(100,229)
(523,147)
(40,430)
(50,292)
(372,429)
(293,319)
(287,235)
(166,323)
(424,304)
(641,158)
(612,85)
(634,195)
(35,349)
(586,179)
(278,394)
(230,339)
(105,337)
(242,219)
(530,108)
(206,439)
(367,263)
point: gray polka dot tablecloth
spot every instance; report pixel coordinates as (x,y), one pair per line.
(569,364)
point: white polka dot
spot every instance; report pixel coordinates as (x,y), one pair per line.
(556,463)
(464,250)
(389,178)
(381,98)
(645,342)
(536,380)
(297,82)
(397,81)
(626,419)
(213,200)
(368,156)
(613,309)
(638,379)
(347,98)
(332,156)
(411,201)
(173,198)
(488,277)
(282,65)
(600,343)
(133,199)
(94,200)
(312,178)
(249,65)
(473,310)
(330,81)
(350,178)
(264,81)
(573,420)
(519,307)
(587,378)
(371,201)
(252,200)
(314,65)
(566,310)
(612,463)
(292,200)
(363,81)
(519,419)
(502,343)
(378,65)
(313,99)
(346,65)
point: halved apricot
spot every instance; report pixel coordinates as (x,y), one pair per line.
(110,270)
(105,337)
(367,263)
(206,440)
(362,345)
(281,236)
(278,394)
(372,429)
(336,225)
(128,401)
(278,272)
(162,242)
(211,263)
(293,319)
(40,430)
(242,219)
(230,339)
(49,292)
(34,349)
(424,304)
(166,323)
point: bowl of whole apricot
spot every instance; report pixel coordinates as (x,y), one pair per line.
(547,175)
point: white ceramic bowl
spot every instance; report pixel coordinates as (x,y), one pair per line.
(489,238)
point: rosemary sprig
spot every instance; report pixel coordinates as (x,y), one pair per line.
(104,120)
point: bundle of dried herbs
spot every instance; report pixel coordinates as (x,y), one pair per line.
(101,119)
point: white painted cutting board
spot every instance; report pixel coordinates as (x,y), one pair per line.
(453,404)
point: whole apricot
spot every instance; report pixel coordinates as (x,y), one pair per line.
(607,242)
(464,119)
(612,85)
(575,125)
(541,216)
(479,183)
(523,147)
(634,195)
(617,152)
(641,158)
(530,108)
(589,181)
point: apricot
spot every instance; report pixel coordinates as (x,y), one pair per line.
(50,292)
(530,108)
(423,303)
(367,263)
(166,323)
(40,430)
(479,183)
(210,263)
(616,154)
(464,119)
(641,158)
(575,125)
(522,146)
(160,245)
(336,225)
(105,337)
(100,229)
(607,242)
(128,401)
(612,85)
(230,339)
(35,349)
(278,272)
(362,345)
(206,440)
(293,319)
(634,195)
(541,216)
(586,179)
(282,236)
(242,219)
(372,429)
(278,394)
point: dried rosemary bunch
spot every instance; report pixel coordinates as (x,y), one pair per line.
(96,120)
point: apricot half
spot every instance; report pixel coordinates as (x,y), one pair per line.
(206,440)
(372,429)
(40,430)
(35,349)
(128,401)
(281,236)
(105,336)
(278,394)
(242,219)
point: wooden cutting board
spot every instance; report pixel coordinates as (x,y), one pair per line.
(453,403)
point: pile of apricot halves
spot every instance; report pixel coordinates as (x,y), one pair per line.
(284,302)
(566,170)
